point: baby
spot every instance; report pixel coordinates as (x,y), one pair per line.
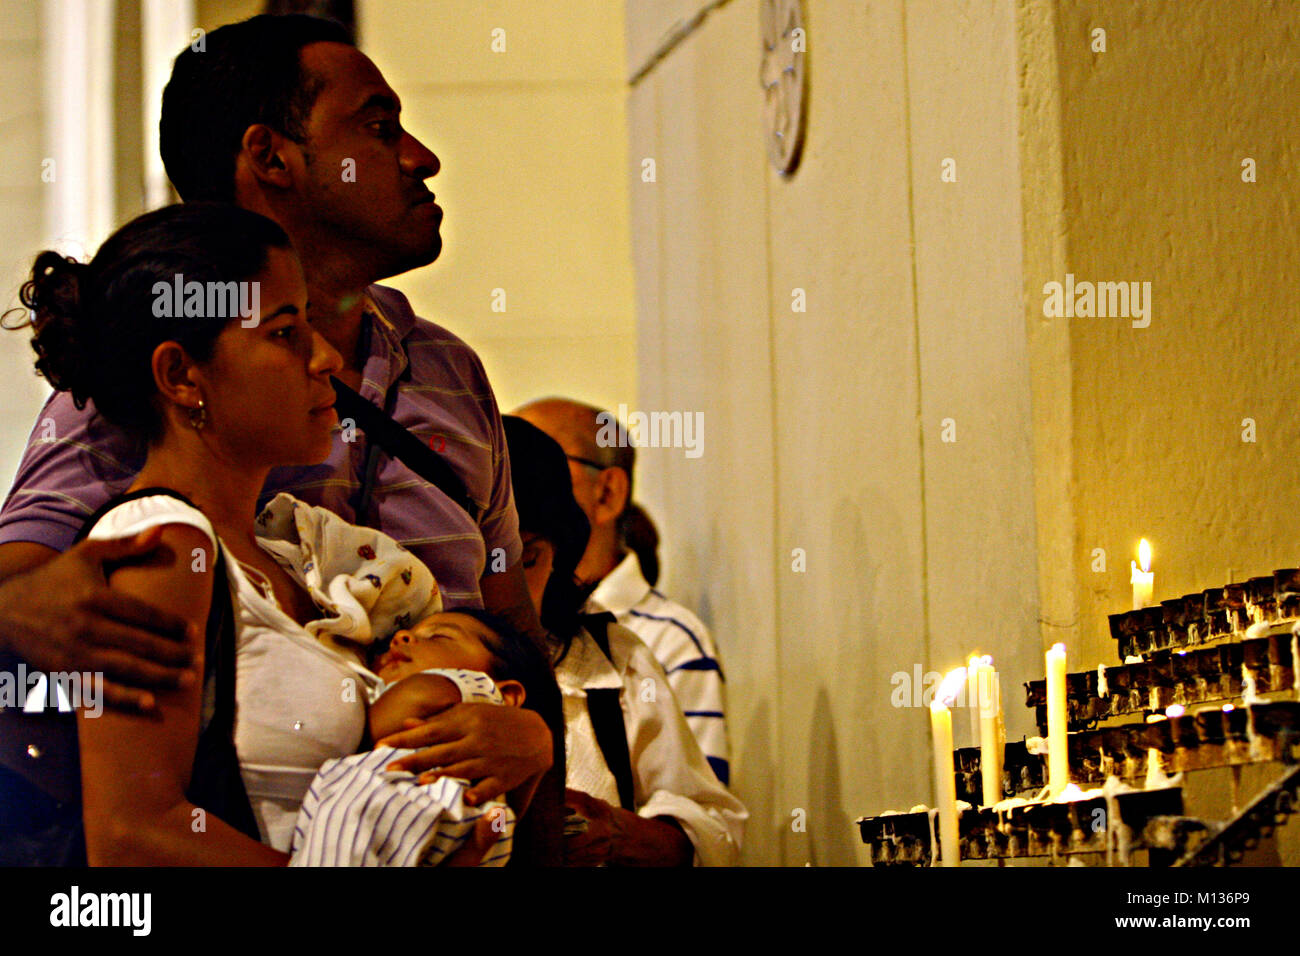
(356,812)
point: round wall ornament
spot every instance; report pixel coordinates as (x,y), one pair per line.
(783,74)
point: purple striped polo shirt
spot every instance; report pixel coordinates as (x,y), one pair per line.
(75,460)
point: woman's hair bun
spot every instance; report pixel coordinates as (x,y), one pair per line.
(64,336)
(98,325)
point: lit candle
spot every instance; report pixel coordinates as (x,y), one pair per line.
(1058,754)
(988,700)
(945,784)
(1144,581)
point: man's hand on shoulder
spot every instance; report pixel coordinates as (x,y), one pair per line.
(58,613)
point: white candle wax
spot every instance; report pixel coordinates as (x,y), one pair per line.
(1058,754)
(945,785)
(989,704)
(1295,659)
(1155,770)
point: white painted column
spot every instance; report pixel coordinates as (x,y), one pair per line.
(77,90)
(166,28)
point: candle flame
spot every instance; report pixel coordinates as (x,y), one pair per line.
(950,687)
(1175,710)
(1144,555)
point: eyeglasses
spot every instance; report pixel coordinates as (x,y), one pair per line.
(587,461)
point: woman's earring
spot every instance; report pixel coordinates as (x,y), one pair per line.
(199,416)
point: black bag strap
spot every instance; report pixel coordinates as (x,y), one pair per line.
(216,782)
(382,430)
(606,710)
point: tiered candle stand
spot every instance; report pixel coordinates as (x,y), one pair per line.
(1232,646)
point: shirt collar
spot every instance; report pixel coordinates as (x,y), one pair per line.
(388,325)
(393,310)
(585,667)
(623,588)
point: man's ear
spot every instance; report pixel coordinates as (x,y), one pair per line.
(512,691)
(613,495)
(263,154)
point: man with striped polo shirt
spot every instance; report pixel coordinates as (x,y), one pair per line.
(602,484)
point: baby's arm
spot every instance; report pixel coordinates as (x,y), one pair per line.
(420,696)
(417,697)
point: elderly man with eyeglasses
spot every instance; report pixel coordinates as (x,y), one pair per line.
(602,484)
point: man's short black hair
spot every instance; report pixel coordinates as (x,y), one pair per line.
(245,73)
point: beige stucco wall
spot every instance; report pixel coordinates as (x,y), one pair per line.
(824,427)
(925,302)
(533,144)
(1153,134)
(1133,161)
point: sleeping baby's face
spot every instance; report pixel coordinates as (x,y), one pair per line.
(446,639)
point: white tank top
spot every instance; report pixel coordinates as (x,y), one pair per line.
(298,703)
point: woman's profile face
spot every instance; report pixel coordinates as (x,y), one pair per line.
(267,387)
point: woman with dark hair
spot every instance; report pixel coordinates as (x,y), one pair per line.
(639,790)
(189,330)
